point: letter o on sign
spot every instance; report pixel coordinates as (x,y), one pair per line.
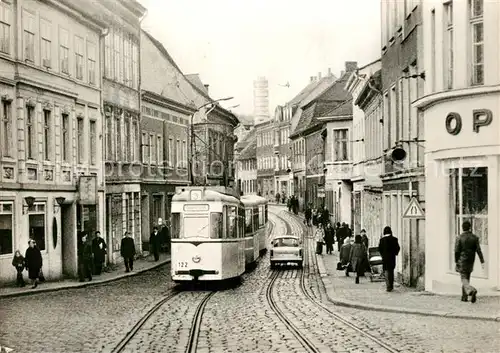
(453,123)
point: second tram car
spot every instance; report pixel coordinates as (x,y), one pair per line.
(210,234)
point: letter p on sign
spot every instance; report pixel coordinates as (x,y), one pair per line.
(481,117)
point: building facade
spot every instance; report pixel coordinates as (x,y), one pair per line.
(460,107)
(265,159)
(122,106)
(355,85)
(282,169)
(247,165)
(261,100)
(402,83)
(51,181)
(369,100)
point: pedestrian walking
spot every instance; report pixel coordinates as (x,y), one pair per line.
(127,250)
(466,247)
(19,264)
(165,236)
(338,235)
(308,215)
(154,243)
(365,241)
(329,238)
(357,257)
(325,216)
(33,261)
(389,249)
(99,250)
(85,258)
(319,235)
(345,256)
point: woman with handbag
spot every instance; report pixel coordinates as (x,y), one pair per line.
(320,238)
(33,260)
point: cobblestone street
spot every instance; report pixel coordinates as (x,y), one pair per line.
(235,319)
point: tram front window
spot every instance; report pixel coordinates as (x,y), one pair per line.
(196,227)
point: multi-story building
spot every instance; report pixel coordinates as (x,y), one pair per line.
(355,85)
(122,106)
(402,83)
(241,132)
(316,86)
(460,106)
(265,159)
(261,100)
(247,165)
(282,170)
(369,100)
(51,181)
(165,124)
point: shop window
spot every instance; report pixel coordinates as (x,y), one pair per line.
(37,229)
(6,228)
(469,202)
(157,203)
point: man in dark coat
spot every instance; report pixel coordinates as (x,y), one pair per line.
(33,261)
(389,249)
(85,258)
(329,238)
(165,235)
(325,216)
(127,250)
(308,215)
(339,236)
(466,247)
(154,243)
(99,251)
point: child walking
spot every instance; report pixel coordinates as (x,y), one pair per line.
(18,263)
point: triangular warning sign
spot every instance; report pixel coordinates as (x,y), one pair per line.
(414,210)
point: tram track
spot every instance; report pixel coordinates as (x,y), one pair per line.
(194,332)
(307,293)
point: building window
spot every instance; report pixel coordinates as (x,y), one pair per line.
(340,145)
(152,149)
(37,225)
(91,59)
(79,57)
(127,138)
(477,35)
(170,152)
(184,155)
(145,148)
(133,140)
(30,132)
(117,74)
(118,137)
(109,138)
(47,135)
(5,29)
(93,142)
(108,63)
(469,202)
(65,138)
(29,36)
(127,61)
(46,43)
(392,117)
(433,49)
(6,128)
(448,11)
(159,150)
(6,234)
(64,50)
(80,141)
(135,65)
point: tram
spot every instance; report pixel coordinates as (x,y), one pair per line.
(210,239)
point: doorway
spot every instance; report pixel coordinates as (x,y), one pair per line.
(68,241)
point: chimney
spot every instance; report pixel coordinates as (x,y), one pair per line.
(312,78)
(330,71)
(351,66)
(319,75)
(206,87)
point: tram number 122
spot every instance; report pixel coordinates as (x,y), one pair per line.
(182,264)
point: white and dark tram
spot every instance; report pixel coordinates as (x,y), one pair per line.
(215,235)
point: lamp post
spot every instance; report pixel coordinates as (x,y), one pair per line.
(192,136)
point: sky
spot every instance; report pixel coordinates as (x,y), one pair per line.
(231,42)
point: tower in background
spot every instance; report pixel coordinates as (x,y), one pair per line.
(260,100)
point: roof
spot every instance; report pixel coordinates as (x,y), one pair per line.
(196,81)
(249,200)
(374,84)
(246,140)
(334,101)
(246,120)
(250,151)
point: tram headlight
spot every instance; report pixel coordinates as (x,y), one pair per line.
(196,259)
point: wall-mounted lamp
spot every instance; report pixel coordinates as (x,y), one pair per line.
(30,201)
(60,200)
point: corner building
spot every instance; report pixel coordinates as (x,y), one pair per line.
(461,108)
(51,182)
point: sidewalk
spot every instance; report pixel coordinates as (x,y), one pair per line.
(342,290)
(141,265)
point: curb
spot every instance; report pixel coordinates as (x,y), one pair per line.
(391,309)
(85,284)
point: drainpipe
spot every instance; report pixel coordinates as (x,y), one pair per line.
(103,134)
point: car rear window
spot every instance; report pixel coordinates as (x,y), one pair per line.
(285,242)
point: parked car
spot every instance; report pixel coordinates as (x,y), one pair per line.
(286,249)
